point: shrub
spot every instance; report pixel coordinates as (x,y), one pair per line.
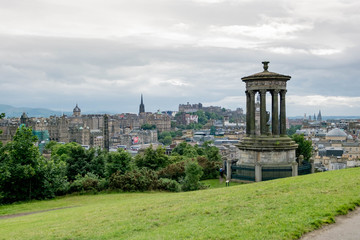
(193,173)
(173,171)
(90,182)
(152,159)
(210,168)
(135,180)
(169,185)
(118,161)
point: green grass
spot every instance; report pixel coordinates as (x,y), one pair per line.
(215,183)
(278,209)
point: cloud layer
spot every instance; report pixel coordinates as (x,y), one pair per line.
(104,54)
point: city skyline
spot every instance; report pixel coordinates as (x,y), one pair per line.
(104,54)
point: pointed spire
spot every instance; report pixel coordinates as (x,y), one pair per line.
(142,106)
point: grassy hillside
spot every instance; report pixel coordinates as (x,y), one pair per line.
(279,209)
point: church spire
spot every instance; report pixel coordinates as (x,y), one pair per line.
(142,106)
(319,118)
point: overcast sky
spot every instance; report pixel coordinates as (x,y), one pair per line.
(102,54)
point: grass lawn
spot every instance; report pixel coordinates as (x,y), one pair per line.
(278,209)
(215,183)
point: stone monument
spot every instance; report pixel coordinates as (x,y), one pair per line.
(270,153)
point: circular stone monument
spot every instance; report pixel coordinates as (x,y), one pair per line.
(270,154)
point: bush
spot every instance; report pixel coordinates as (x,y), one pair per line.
(173,171)
(136,180)
(118,161)
(193,173)
(152,159)
(169,185)
(90,182)
(210,168)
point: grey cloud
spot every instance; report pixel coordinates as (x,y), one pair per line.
(58,67)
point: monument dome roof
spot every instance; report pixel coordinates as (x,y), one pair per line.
(266,75)
(336,133)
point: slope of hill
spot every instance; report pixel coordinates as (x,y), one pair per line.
(278,209)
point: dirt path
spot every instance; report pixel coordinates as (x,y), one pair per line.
(29,213)
(347,227)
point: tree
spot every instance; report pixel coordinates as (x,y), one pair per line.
(152,159)
(291,131)
(184,149)
(193,173)
(24,174)
(148,126)
(304,148)
(211,152)
(165,138)
(118,161)
(97,161)
(78,160)
(212,130)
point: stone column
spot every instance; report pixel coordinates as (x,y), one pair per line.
(282,113)
(248,114)
(263,112)
(252,112)
(258,172)
(294,167)
(312,165)
(228,169)
(275,112)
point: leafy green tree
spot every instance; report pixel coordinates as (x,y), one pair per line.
(78,160)
(49,146)
(193,173)
(175,171)
(118,161)
(179,149)
(210,168)
(304,148)
(211,152)
(167,140)
(212,130)
(292,129)
(152,159)
(24,174)
(148,126)
(97,161)
(202,118)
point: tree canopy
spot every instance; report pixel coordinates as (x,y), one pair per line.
(305,146)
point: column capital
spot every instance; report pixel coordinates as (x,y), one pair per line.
(283,92)
(275,91)
(251,92)
(262,91)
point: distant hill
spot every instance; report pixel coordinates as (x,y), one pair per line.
(11,111)
(330,117)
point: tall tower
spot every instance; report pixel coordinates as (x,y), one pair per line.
(142,106)
(319,117)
